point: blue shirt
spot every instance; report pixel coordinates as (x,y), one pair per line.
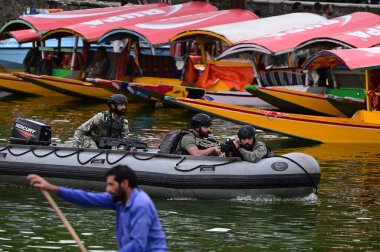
(138,227)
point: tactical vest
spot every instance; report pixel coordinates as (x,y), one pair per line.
(108,127)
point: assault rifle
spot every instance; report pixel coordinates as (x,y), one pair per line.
(227,147)
(122,144)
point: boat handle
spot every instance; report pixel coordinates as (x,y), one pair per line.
(98,161)
(207,168)
(3,154)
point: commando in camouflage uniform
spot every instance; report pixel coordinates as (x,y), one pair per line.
(259,151)
(101,125)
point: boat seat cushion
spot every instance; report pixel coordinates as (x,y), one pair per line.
(158,66)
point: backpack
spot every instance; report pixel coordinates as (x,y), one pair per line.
(170,142)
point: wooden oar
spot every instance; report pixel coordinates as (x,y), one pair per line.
(64,220)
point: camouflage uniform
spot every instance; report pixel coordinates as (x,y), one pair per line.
(101,125)
(259,151)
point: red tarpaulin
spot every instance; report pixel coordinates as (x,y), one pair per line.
(354,59)
(92,29)
(285,41)
(160,31)
(358,38)
(235,77)
(46,22)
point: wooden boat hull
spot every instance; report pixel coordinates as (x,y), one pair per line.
(295,101)
(238,98)
(345,104)
(12,83)
(364,127)
(75,88)
(163,175)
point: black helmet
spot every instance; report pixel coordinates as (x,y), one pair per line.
(246,131)
(117,99)
(200,120)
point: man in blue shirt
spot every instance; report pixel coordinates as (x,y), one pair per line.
(138,227)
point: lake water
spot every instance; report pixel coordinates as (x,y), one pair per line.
(344,215)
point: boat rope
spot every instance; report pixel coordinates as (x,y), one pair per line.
(112,163)
(143,159)
(313,184)
(68,155)
(90,159)
(41,156)
(19,154)
(77,152)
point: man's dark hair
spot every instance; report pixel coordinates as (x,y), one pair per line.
(296,5)
(122,172)
(317,7)
(327,6)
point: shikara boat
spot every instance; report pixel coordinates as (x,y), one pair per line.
(13,50)
(165,175)
(363,127)
(296,101)
(351,62)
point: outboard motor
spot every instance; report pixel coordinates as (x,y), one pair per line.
(29,132)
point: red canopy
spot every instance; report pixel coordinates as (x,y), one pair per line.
(92,29)
(160,31)
(45,22)
(358,38)
(354,59)
(289,40)
(23,36)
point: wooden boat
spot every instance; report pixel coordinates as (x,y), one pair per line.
(346,105)
(364,61)
(363,127)
(355,61)
(224,80)
(65,86)
(14,49)
(295,101)
(159,92)
(165,175)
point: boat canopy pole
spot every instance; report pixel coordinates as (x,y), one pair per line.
(256,72)
(73,58)
(42,52)
(136,49)
(368,103)
(186,59)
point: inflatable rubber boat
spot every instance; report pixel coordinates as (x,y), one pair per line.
(164,175)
